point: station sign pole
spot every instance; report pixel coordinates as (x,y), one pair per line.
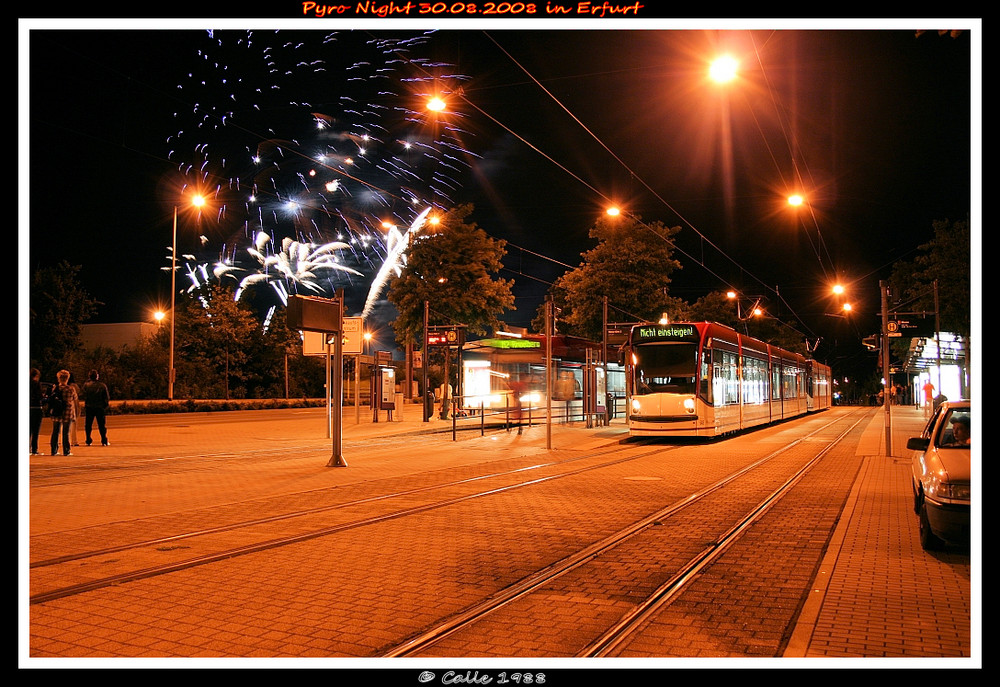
(884,288)
(326,315)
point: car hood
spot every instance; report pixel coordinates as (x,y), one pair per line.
(956,462)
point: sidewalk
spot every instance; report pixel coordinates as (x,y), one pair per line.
(877,593)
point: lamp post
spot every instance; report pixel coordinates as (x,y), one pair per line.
(197,201)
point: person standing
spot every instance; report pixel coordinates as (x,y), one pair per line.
(96,400)
(928,397)
(74,437)
(62,409)
(35,413)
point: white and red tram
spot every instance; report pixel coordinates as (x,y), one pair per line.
(704,379)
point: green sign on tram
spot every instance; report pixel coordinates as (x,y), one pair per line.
(660,332)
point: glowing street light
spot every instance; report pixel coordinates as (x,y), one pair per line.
(435,104)
(755,310)
(724,69)
(796,200)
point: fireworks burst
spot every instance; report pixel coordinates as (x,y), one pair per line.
(307,145)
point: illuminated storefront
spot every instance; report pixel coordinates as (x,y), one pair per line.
(942,361)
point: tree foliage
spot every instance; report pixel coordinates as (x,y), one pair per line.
(452,265)
(945,259)
(631,265)
(59,306)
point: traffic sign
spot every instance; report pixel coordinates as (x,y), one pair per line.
(312,314)
(910,327)
(353,335)
(446,336)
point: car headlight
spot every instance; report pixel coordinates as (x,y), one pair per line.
(957,492)
(947,491)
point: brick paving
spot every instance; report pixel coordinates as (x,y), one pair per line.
(871,596)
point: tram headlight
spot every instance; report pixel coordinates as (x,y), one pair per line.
(689,405)
(635,406)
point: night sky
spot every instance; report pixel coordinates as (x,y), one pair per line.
(874,125)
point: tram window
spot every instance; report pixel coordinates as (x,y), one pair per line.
(666,368)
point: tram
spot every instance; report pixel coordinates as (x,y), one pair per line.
(493,369)
(704,379)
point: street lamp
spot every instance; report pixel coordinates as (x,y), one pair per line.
(755,310)
(197,201)
(724,69)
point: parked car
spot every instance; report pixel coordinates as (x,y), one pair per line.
(942,474)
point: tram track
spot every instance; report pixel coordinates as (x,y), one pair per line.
(174,540)
(531,576)
(424,643)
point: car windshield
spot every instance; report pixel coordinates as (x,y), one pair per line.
(956,429)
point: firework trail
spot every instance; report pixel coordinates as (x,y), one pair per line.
(395,258)
(307,144)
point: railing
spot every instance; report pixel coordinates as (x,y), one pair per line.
(471,412)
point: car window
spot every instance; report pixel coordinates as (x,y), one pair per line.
(955,431)
(931,424)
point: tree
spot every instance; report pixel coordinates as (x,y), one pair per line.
(213,339)
(59,306)
(452,266)
(630,265)
(946,259)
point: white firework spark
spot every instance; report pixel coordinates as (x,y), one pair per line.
(395,259)
(297,263)
(303,138)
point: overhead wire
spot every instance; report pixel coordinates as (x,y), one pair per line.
(652,191)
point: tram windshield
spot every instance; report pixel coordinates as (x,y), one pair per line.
(668,367)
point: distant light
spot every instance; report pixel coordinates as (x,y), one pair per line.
(838,289)
(724,69)
(614,212)
(796,199)
(847,307)
(198,201)
(435,104)
(730,294)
